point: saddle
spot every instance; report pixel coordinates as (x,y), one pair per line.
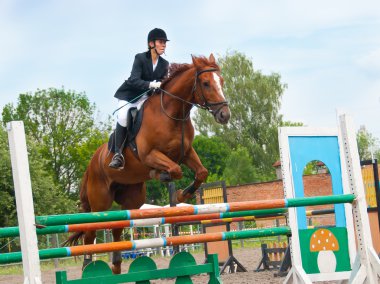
(135,118)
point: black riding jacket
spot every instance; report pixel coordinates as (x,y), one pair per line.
(141,75)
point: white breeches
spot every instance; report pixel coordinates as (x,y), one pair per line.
(122,114)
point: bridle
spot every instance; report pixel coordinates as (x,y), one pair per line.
(204,105)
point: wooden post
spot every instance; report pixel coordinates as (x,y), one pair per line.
(24,202)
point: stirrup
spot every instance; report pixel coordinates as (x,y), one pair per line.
(117,162)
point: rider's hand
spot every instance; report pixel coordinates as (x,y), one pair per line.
(154,85)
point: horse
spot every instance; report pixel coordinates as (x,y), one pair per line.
(163,141)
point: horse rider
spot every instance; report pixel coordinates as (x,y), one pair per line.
(148,70)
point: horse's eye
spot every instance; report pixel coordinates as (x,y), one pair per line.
(206,84)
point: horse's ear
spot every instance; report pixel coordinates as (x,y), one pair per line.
(212,58)
(194,59)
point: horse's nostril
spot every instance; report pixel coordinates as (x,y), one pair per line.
(223,117)
(226,115)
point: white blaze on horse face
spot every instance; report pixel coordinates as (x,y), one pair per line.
(218,84)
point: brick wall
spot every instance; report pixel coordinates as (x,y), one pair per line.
(314,185)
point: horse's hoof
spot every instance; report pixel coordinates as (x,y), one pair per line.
(180,197)
(116,268)
(165,177)
(174,197)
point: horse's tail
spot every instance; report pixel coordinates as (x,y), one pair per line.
(84,207)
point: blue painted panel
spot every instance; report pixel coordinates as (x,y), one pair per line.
(304,149)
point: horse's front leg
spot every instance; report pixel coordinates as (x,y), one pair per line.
(164,168)
(193,162)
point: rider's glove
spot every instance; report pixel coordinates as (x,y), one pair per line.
(154,85)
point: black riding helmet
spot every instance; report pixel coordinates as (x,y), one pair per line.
(157,34)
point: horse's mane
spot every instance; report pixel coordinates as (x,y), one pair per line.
(178,68)
(174,70)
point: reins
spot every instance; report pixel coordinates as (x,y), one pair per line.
(206,105)
(132,101)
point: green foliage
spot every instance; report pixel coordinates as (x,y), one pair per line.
(367,145)
(62,124)
(62,135)
(239,168)
(213,152)
(44,190)
(313,167)
(290,123)
(7,202)
(254,100)
(157,193)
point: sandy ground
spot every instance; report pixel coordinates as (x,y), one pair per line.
(248,257)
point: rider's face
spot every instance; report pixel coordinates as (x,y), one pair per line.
(160,46)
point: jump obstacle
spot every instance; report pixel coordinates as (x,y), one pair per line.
(338,260)
(143,269)
(365,269)
(161,212)
(272,256)
(195,219)
(212,193)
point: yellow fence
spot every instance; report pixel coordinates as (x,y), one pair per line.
(213,195)
(369,185)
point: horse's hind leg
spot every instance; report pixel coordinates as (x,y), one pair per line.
(116,255)
(129,197)
(99,198)
(89,238)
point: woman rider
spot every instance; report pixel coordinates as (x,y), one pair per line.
(148,70)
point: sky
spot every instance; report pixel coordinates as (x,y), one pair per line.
(327,52)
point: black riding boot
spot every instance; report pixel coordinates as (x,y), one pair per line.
(120,136)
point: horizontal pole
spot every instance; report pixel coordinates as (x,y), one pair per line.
(320,200)
(148,243)
(194,219)
(191,210)
(213,218)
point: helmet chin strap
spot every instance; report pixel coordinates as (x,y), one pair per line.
(154,47)
(155,50)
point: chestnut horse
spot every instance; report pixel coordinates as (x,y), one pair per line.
(164,140)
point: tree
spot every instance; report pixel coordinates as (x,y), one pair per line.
(43,188)
(368,145)
(254,100)
(239,168)
(7,204)
(213,152)
(62,123)
(291,124)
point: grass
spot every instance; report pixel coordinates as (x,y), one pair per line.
(47,265)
